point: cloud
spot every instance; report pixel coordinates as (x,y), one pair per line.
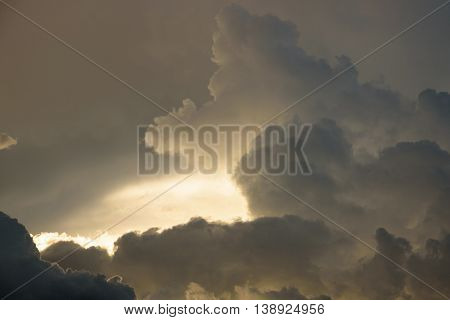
(203,258)
(21,261)
(328,29)
(46,239)
(404,187)
(262,68)
(285,293)
(219,256)
(431,118)
(270,258)
(82,142)
(6,141)
(93,259)
(377,156)
(37,175)
(432,265)
(380,279)
(196,292)
(379,159)
(78,133)
(377,278)
(330,156)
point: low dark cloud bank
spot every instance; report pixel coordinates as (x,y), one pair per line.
(270,258)
(267,254)
(20,261)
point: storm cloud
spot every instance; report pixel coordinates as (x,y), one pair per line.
(93,259)
(21,262)
(272,258)
(380,156)
(261,63)
(223,260)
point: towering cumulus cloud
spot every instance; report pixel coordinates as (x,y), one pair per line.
(379,159)
(20,262)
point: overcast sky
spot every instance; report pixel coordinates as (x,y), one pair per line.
(379,145)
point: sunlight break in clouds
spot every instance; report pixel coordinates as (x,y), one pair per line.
(202,196)
(46,239)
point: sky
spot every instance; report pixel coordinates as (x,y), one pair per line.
(379,148)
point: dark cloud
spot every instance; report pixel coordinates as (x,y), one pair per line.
(330,156)
(21,261)
(219,257)
(437,218)
(273,258)
(379,278)
(329,28)
(285,293)
(431,118)
(263,64)
(203,258)
(93,259)
(263,67)
(432,265)
(379,157)
(403,187)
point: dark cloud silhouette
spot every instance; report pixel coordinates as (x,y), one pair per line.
(330,156)
(20,262)
(379,278)
(285,293)
(431,119)
(195,292)
(219,256)
(403,186)
(437,218)
(93,259)
(273,258)
(218,260)
(433,265)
